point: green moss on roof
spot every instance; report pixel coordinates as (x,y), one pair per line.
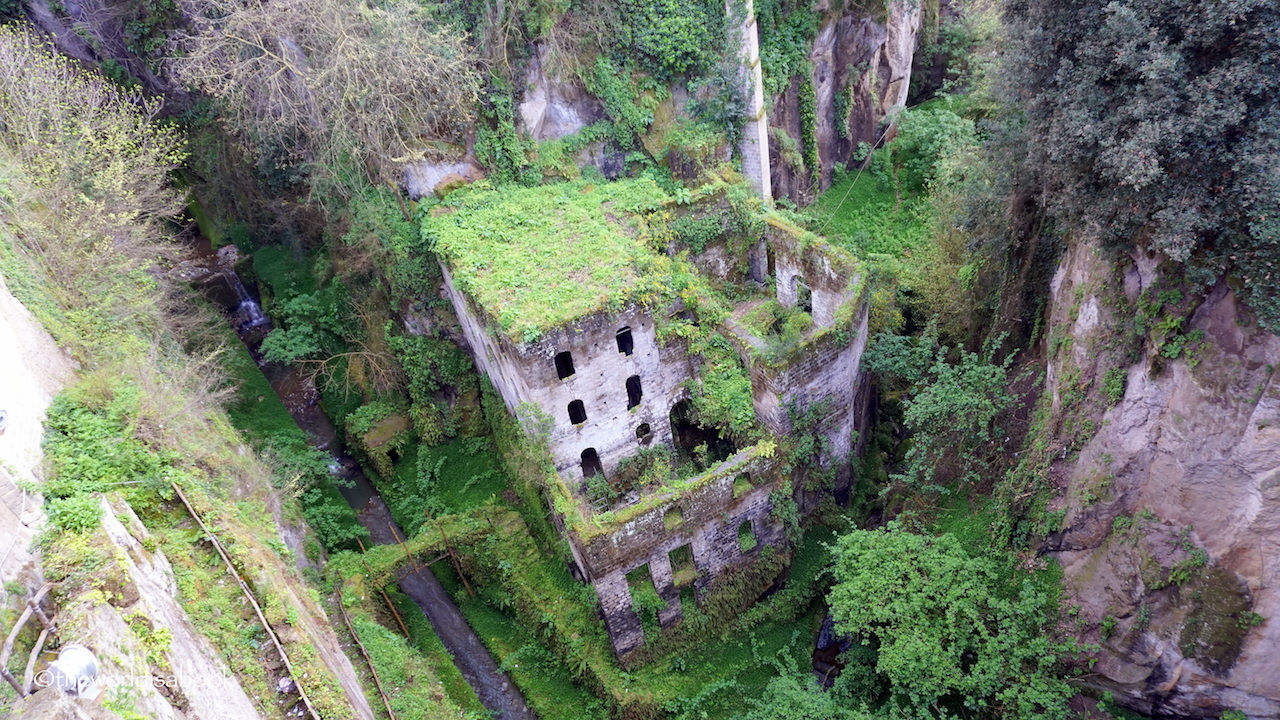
(538,258)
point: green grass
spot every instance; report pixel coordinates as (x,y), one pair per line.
(402,673)
(970,520)
(864,214)
(425,640)
(256,410)
(282,272)
(538,258)
(746,661)
(548,685)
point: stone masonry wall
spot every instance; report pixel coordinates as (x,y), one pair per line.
(826,367)
(527,373)
(711,517)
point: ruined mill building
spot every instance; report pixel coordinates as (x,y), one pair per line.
(583,320)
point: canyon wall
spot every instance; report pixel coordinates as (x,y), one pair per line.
(1170,539)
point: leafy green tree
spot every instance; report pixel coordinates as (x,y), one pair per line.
(1154,124)
(673,37)
(930,141)
(951,408)
(951,639)
(796,695)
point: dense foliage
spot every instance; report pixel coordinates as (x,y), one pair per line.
(948,640)
(1155,125)
(951,407)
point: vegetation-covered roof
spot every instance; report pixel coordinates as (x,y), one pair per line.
(538,258)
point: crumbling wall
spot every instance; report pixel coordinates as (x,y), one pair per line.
(828,367)
(709,519)
(527,374)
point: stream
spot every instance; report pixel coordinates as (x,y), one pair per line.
(215,272)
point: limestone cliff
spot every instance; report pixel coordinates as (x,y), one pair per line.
(1170,493)
(861,72)
(864,58)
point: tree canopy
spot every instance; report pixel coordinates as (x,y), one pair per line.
(947,640)
(1154,124)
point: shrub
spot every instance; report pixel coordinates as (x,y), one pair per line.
(943,631)
(1113,384)
(672,37)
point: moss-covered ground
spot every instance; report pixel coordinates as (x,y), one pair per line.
(536,258)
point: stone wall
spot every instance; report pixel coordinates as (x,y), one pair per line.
(709,520)
(527,374)
(829,365)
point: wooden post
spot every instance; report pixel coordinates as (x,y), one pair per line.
(44,619)
(404,547)
(385,598)
(456,565)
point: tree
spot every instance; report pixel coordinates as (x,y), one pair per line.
(951,408)
(344,90)
(1154,124)
(84,186)
(795,695)
(950,637)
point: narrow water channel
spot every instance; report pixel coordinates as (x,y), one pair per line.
(298,393)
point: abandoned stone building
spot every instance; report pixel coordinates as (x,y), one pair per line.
(595,364)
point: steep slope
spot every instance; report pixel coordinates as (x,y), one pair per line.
(1172,507)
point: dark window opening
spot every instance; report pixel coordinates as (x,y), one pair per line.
(633,391)
(591,466)
(700,445)
(577,412)
(683,570)
(564,364)
(643,432)
(625,343)
(746,537)
(804,295)
(742,485)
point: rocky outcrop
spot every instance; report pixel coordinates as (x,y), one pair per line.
(866,60)
(1172,507)
(554,107)
(32,370)
(179,676)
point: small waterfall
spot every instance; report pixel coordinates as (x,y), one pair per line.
(248,311)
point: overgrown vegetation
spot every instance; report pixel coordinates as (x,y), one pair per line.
(1195,87)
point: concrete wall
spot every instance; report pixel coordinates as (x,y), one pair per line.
(527,373)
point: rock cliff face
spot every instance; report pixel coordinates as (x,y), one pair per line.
(1171,535)
(864,59)
(861,73)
